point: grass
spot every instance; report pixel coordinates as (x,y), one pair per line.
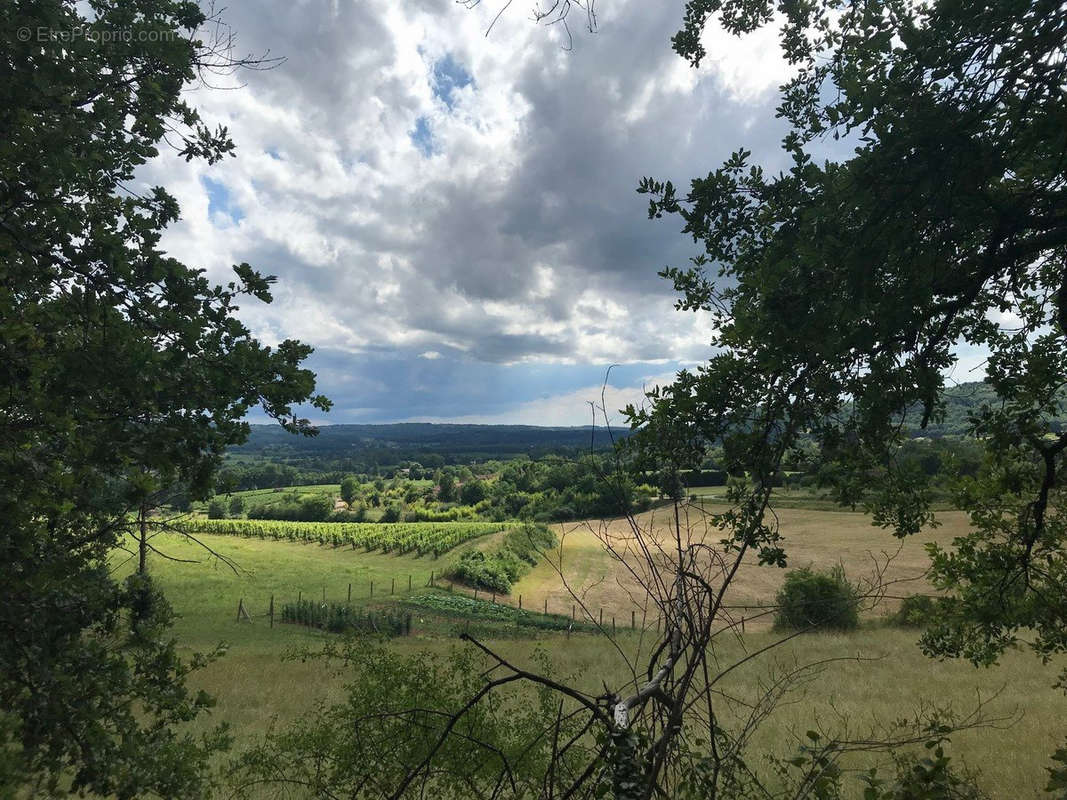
(811,538)
(257,688)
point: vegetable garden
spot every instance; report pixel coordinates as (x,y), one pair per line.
(400,537)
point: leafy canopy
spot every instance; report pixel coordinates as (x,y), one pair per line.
(843,288)
(124,372)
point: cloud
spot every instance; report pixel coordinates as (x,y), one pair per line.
(428,195)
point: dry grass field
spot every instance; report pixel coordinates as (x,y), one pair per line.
(812,538)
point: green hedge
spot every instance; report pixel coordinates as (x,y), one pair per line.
(497,570)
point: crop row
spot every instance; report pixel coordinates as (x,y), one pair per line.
(463,606)
(399,537)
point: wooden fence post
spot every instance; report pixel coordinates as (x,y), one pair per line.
(409,583)
(372,588)
(240,608)
(613,626)
(601,618)
(633,618)
(350,593)
(546,606)
(520,602)
(572,613)
(392,585)
(494,598)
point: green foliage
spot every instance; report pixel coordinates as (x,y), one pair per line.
(842,291)
(916,611)
(316,508)
(349,486)
(810,599)
(126,373)
(423,538)
(216,509)
(496,570)
(397,708)
(446,487)
(472,492)
(460,605)
(1057,775)
(931,777)
(237,506)
(341,618)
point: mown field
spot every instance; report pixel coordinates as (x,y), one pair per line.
(257,688)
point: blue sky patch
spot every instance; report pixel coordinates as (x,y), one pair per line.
(449,76)
(219,200)
(422,137)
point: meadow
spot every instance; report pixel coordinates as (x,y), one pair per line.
(882,675)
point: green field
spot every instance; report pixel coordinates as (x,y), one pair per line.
(255,685)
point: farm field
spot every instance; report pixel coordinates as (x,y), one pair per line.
(812,538)
(256,687)
(422,538)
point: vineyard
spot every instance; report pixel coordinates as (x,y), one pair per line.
(423,538)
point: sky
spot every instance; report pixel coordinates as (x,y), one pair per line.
(452,216)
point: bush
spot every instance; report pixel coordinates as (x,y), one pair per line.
(497,570)
(817,599)
(915,611)
(493,572)
(216,510)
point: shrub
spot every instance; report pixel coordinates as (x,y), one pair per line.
(216,510)
(915,611)
(497,570)
(817,599)
(494,572)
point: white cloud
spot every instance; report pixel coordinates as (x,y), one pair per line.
(568,409)
(521,239)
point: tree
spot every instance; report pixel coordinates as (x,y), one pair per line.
(237,505)
(125,371)
(446,487)
(472,492)
(839,291)
(349,488)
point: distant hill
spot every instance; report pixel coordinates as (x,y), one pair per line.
(410,440)
(490,441)
(960,400)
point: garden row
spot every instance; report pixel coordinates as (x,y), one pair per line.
(339,618)
(458,605)
(402,537)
